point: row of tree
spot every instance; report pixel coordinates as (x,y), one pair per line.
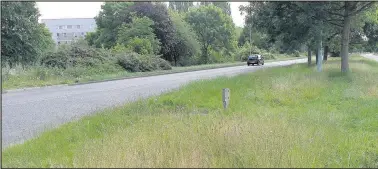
(184,30)
(335,24)
(176,33)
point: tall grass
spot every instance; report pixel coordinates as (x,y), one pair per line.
(280,117)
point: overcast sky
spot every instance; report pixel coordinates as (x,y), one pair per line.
(56,10)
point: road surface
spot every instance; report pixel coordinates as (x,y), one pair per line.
(370,56)
(25,114)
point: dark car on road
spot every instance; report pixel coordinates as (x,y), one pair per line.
(255,59)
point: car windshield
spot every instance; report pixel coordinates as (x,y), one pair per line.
(252,57)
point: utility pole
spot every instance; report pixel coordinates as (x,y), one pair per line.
(250,40)
(250,33)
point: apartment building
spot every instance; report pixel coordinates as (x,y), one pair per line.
(65,31)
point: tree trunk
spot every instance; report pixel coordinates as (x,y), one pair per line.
(205,54)
(316,56)
(318,52)
(309,55)
(345,39)
(325,52)
(175,58)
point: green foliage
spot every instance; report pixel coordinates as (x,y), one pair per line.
(244,51)
(371,32)
(163,27)
(92,39)
(135,62)
(110,18)
(118,48)
(214,29)
(78,54)
(186,44)
(238,32)
(259,39)
(138,36)
(225,6)
(180,6)
(141,46)
(23,39)
(296,54)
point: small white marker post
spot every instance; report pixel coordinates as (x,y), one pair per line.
(226,97)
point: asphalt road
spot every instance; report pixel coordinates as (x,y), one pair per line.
(25,114)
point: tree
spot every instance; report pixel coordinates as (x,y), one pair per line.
(23,38)
(93,38)
(281,22)
(215,29)
(186,43)
(371,32)
(225,6)
(342,14)
(180,6)
(139,36)
(370,29)
(110,18)
(258,39)
(295,21)
(163,27)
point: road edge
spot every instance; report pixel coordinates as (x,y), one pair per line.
(132,77)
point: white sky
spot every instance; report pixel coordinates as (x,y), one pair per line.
(56,10)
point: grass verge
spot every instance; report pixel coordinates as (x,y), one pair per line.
(46,77)
(279,117)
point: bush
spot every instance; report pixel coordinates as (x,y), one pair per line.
(129,61)
(296,54)
(268,56)
(163,64)
(140,46)
(135,62)
(76,54)
(243,52)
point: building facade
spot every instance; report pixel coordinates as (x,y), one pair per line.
(65,31)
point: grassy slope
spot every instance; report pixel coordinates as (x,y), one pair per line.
(279,117)
(54,77)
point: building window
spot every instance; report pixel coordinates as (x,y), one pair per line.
(82,33)
(69,26)
(57,34)
(58,43)
(78,26)
(61,27)
(64,34)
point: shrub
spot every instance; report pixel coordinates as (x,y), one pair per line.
(163,64)
(296,54)
(268,56)
(135,62)
(140,46)
(76,54)
(243,52)
(129,61)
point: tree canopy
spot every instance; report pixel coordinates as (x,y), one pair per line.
(23,39)
(214,28)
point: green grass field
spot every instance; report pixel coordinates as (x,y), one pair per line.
(40,76)
(279,117)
